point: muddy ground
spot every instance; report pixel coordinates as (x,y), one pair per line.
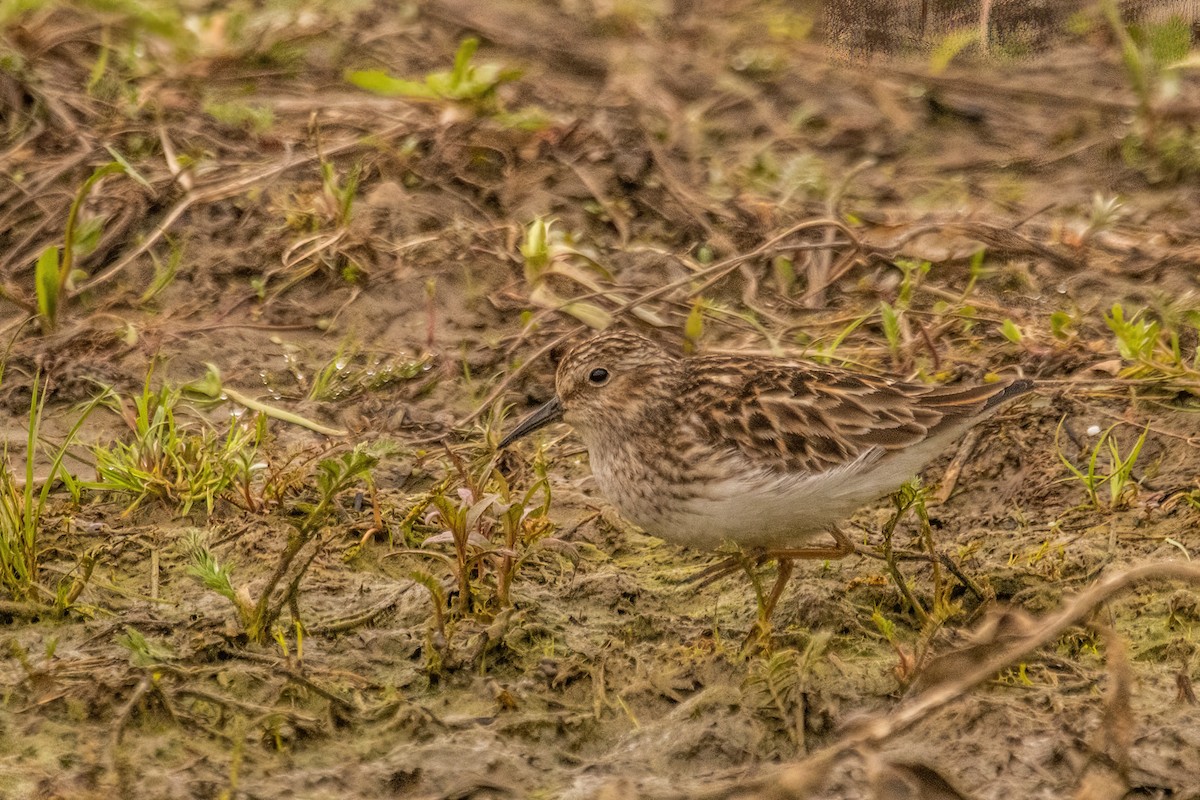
(355,258)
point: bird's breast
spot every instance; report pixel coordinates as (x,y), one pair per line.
(703,502)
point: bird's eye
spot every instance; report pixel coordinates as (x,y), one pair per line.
(598,377)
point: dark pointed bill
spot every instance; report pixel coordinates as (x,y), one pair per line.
(550,412)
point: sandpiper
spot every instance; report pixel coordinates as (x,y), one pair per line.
(764,452)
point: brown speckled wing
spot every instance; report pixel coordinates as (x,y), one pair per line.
(794,418)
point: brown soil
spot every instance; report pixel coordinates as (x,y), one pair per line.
(673,137)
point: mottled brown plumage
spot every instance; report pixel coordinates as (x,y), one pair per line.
(765,452)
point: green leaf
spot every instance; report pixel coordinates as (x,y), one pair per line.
(891,325)
(127,168)
(884,625)
(693,326)
(87,236)
(379,82)
(1059,322)
(101,65)
(1169,41)
(530,118)
(1135,65)
(950,46)
(1011,331)
(71,231)
(47,284)
(535,248)
(462,59)
(976,265)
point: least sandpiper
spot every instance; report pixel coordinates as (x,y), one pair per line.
(764,452)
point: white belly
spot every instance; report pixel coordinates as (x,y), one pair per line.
(753,507)
(777,512)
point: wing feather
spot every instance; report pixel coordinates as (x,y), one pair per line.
(805,418)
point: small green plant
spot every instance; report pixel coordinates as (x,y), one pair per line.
(1081,642)
(437,596)
(470,525)
(547,253)
(334,477)
(340,194)
(826,353)
(891,316)
(550,256)
(466,82)
(1137,336)
(1011,332)
(55,274)
(491,530)
(798,177)
(775,683)
(912,496)
(175,464)
(1149,54)
(328,243)
(968,317)
(217,577)
(1154,346)
(975,271)
(1061,325)
(905,663)
(1153,56)
(889,320)
(463,526)
(912,272)
(164,273)
(310,522)
(1119,477)
(142,651)
(23,503)
(1180,316)
(784,270)
(693,326)
(353,371)
(1191,497)
(522,522)
(1018,676)
(951,45)
(254,119)
(1105,213)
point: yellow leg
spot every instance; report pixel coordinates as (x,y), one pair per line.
(786,565)
(842,547)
